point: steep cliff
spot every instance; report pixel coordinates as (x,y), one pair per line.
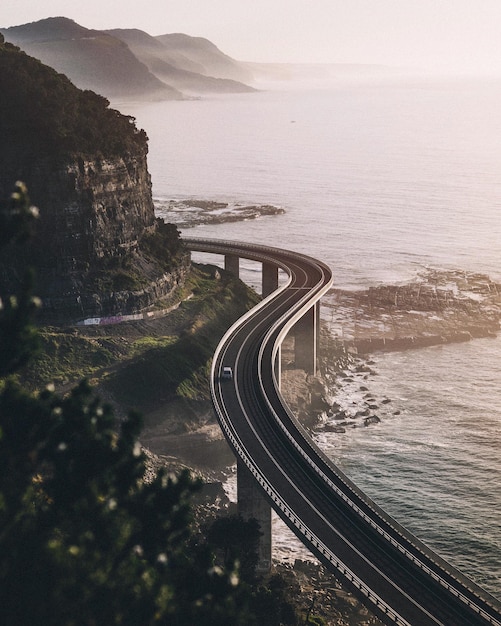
(90,209)
(85,166)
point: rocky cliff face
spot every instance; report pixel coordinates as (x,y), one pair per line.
(91,210)
(97,248)
(86,249)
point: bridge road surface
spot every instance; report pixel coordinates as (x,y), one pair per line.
(396,576)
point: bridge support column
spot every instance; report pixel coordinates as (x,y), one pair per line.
(253,504)
(305,340)
(232,264)
(270,279)
(278,367)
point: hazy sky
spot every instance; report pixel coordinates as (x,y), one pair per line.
(441,34)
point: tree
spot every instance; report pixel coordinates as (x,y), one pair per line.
(17,334)
(84,539)
(237,541)
(42,109)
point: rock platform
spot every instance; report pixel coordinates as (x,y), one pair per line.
(440,306)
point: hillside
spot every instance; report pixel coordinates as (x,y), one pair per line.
(42,112)
(91,59)
(211,70)
(129,63)
(206,55)
(97,249)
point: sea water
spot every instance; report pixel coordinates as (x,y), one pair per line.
(379,180)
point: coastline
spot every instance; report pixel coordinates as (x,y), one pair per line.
(440,306)
(183,433)
(188,213)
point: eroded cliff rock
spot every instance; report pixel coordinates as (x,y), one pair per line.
(89,210)
(89,247)
(97,249)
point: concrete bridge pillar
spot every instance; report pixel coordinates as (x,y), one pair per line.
(278,367)
(270,279)
(253,504)
(232,264)
(306,332)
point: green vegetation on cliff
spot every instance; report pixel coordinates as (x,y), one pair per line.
(89,534)
(181,368)
(42,112)
(140,361)
(84,538)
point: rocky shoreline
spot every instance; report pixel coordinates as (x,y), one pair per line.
(440,306)
(190,213)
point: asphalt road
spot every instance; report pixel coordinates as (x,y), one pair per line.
(395,575)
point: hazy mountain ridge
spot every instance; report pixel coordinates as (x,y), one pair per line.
(116,63)
(203,52)
(131,64)
(190,64)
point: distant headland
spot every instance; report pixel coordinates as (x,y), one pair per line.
(129,63)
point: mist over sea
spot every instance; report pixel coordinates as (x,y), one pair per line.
(379,180)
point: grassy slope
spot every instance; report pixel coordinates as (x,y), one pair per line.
(141,362)
(180,368)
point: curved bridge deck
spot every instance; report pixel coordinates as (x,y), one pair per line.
(399,579)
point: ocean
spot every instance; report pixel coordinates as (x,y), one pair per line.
(380,180)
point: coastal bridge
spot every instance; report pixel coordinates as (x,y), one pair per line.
(395,575)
